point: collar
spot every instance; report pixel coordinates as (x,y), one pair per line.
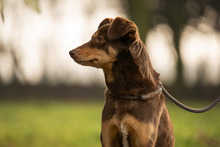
(150,95)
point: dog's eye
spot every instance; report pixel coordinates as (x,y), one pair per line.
(101,38)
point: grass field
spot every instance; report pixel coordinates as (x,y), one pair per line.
(77,124)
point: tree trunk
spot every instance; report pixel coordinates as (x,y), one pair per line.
(179,82)
(139,12)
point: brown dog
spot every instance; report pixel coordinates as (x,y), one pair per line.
(134,114)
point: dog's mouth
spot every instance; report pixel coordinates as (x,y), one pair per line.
(94,60)
(91,61)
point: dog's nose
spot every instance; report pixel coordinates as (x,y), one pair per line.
(72,53)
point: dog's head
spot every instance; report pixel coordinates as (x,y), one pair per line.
(112,37)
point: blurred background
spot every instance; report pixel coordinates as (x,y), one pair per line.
(46,99)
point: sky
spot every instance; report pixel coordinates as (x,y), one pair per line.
(43,40)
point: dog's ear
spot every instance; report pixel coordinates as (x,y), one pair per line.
(141,59)
(121,27)
(105,21)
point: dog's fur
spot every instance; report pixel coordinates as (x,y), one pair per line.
(117,48)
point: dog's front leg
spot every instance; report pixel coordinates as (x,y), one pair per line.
(141,135)
(110,136)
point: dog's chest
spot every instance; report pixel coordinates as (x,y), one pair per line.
(126,129)
(123,129)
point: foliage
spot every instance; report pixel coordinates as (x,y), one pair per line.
(70,124)
(33,4)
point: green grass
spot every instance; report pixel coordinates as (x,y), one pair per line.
(69,124)
(196,130)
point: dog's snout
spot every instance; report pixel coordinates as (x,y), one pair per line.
(73,53)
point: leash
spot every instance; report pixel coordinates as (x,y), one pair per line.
(161,89)
(181,105)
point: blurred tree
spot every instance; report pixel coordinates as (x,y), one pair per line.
(139,12)
(17,70)
(33,4)
(146,14)
(175,13)
(1,9)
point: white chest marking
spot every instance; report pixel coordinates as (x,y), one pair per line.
(124,135)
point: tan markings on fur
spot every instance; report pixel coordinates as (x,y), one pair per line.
(96,34)
(108,74)
(102,59)
(99,58)
(107,69)
(109,131)
(139,132)
(112,52)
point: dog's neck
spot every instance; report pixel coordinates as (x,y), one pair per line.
(126,75)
